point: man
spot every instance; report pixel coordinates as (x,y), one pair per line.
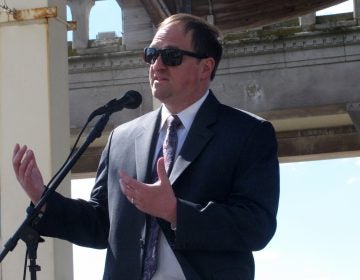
(215,203)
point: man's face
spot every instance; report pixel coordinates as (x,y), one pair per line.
(176,86)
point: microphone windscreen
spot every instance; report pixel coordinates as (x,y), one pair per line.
(134,99)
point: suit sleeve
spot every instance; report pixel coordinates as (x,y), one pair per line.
(246,221)
(85,223)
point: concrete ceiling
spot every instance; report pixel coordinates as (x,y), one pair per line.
(236,15)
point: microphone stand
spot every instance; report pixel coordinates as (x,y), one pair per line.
(25,232)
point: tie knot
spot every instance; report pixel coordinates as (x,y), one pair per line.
(173,122)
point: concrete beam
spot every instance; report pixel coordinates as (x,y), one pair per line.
(307,21)
(297,145)
(317,144)
(310,133)
(138,28)
(311,117)
(354,112)
(156,9)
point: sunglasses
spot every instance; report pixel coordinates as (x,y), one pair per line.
(170,57)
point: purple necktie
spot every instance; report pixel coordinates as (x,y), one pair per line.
(170,142)
(169,153)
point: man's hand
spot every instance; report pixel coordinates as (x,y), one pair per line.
(27,172)
(156,199)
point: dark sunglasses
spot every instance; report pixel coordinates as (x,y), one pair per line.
(170,57)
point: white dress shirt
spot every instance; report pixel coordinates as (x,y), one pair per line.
(168,268)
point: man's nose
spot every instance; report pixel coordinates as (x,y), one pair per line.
(158,63)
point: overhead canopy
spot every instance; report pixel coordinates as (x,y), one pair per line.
(231,15)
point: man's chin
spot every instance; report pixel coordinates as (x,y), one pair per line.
(159,94)
(160,98)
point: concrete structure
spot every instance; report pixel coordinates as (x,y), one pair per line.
(357,11)
(80,11)
(302,75)
(34,108)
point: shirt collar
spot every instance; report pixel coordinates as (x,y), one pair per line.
(186,116)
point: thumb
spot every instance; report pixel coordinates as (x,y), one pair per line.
(161,171)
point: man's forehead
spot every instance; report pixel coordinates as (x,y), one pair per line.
(171,35)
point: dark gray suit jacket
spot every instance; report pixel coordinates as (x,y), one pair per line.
(226,179)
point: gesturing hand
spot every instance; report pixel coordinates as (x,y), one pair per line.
(156,199)
(27,172)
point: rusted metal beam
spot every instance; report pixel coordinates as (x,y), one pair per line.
(29,14)
(35,13)
(14,15)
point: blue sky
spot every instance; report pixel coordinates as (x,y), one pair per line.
(318,231)
(318,235)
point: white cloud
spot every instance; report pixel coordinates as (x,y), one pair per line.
(353,180)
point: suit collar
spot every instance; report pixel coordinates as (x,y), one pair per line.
(145,144)
(199,135)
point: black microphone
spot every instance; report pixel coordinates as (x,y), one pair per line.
(131,100)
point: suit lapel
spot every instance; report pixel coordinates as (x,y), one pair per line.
(199,135)
(145,144)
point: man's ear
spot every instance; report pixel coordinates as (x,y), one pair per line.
(207,67)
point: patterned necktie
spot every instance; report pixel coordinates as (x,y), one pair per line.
(170,142)
(169,153)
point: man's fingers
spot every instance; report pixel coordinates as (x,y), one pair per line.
(125,178)
(16,149)
(161,170)
(29,168)
(18,155)
(25,162)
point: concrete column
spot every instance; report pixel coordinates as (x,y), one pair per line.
(138,30)
(307,21)
(34,110)
(80,10)
(357,11)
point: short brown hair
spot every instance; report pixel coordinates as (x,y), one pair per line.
(205,37)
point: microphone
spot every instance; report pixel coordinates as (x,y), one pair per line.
(131,100)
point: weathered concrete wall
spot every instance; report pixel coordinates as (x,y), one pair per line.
(300,71)
(96,79)
(299,81)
